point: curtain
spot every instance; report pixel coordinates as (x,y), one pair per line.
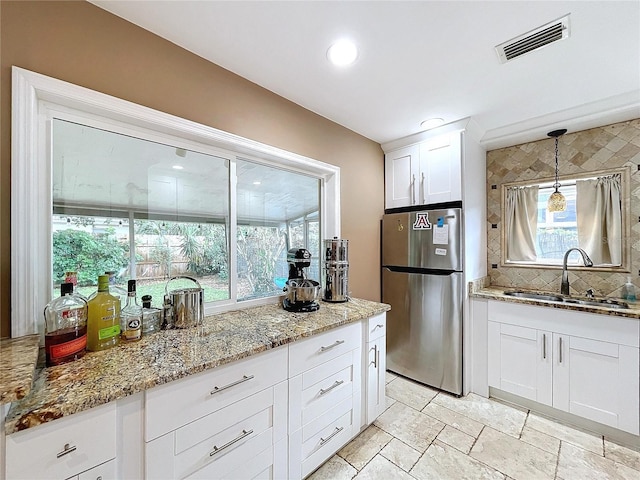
(599,219)
(521,221)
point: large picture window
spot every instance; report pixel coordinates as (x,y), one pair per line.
(159,213)
(100,184)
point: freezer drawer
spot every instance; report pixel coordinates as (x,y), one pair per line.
(424,327)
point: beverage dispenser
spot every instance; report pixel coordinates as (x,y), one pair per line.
(336,270)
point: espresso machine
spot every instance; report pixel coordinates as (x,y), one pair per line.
(300,293)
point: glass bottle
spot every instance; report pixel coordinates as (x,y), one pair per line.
(72,277)
(151,317)
(131,316)
(103,327)
(65,337)
(114,289)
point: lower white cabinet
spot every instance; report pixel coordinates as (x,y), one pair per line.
(376,366)
(64,448)
(243,440)
(325,397)
(584,364)
(275,415)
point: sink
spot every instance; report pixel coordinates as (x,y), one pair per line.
(605,302)
(550,297)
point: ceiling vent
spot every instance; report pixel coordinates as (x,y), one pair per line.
(533,40)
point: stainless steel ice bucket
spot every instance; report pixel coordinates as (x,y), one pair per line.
(186,305)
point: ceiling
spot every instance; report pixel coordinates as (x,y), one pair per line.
(419,59)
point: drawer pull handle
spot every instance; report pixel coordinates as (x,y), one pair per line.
(244,378)
(333,345)
(375,356)
(335,432)
(335,384)
(244,434)
(67,450)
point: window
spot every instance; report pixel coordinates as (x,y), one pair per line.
(94,167)
(557,231)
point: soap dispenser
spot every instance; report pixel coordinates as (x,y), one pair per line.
(629,291)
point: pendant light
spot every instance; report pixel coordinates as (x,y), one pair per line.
(557,202)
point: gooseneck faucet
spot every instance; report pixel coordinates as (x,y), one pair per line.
(564,285)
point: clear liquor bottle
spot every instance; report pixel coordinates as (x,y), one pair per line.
(103,327)
(65,337)
(131,316)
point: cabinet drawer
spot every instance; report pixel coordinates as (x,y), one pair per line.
(321,388)
(106,471)
(170,406)
(223,441)
(377,327)
(39,452)
(323,437)
(306,354)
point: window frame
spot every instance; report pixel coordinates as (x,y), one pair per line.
(625,266)
(35,99)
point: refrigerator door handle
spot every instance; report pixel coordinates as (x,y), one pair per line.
(422,189)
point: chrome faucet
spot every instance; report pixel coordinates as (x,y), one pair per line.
(564,285)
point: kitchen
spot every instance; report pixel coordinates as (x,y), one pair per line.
(85,35)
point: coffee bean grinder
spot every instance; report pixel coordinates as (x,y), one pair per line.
(300,293)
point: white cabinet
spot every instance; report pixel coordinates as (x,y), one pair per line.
(424,173)
(584,364)
(324,396)
(375,358)
(64,448)
(229,422)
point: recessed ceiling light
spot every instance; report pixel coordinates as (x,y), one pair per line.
(432,123)
(342,53)
(257,182)
(178,167)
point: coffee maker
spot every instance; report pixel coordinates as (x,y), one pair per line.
(300,293)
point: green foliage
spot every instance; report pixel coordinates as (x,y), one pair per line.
(258,251)
(89,255)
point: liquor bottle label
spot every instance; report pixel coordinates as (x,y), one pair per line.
(61,350)
(108,332)
(133,330)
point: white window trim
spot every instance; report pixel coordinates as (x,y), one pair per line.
(31,177)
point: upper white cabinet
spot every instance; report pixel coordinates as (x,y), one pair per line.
(584,364)
(424,173)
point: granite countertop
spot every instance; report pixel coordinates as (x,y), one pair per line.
(494,292)
(18,357)
(101,377)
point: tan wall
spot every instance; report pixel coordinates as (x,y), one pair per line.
(611,146)
(82,44)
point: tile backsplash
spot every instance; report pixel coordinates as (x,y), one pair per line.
(601,148)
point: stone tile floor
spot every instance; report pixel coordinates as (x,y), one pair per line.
(424,434)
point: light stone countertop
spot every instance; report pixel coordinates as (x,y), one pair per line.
(494,292)
(101,377)
(18,357)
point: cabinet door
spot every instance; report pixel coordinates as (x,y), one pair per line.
(597,380)
(376,368)
(400,171)
(440,170)
(520,361)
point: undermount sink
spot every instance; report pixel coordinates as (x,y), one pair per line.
(535,296)
(605,302)
(549,297)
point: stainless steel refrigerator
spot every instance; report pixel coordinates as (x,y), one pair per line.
(422,280)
